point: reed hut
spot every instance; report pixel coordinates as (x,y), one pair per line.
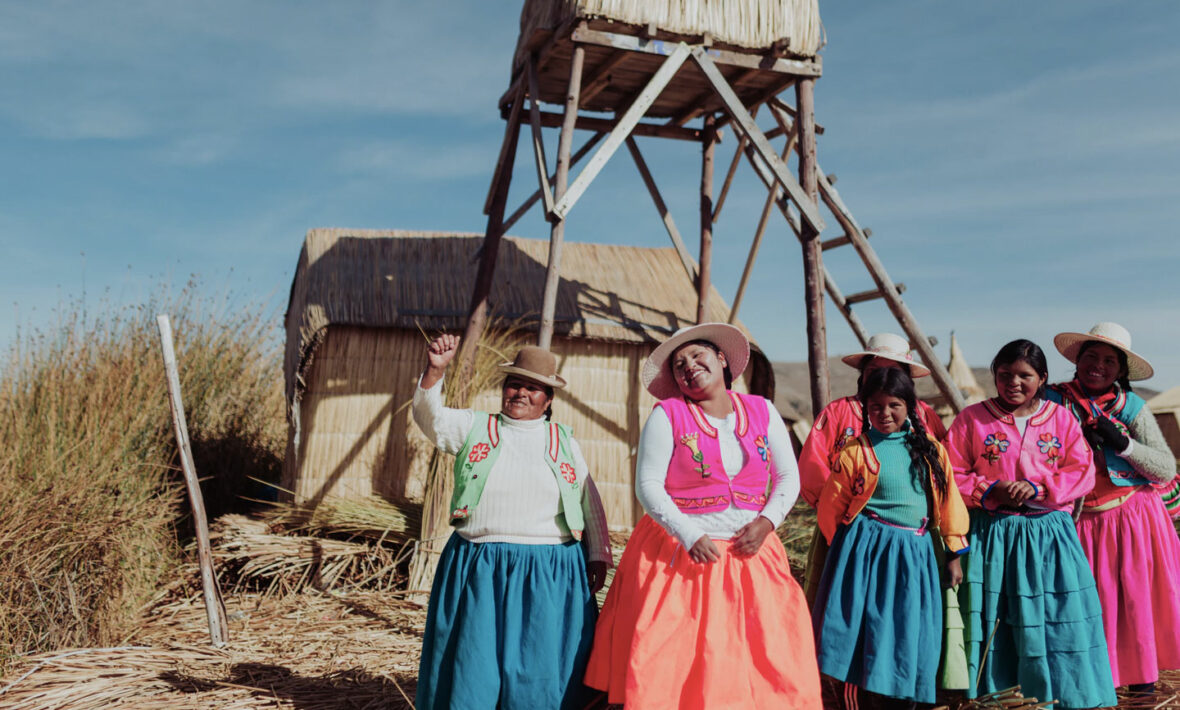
(364,302)
(1166,408)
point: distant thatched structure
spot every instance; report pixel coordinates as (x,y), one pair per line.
(363,301)
(1166,408)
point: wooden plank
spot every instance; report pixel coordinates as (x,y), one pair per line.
(557,232)
(733,164)
(871,295)
(795,67)
(601,77)
(704,281)
(813,264)
(698,104)
(542,163)
(762,98)
(606,125)
(532,199)
(690,266)
(900,311)
(756,243)
(778,104)
(625,124)
(505,147)
(745,123)
(214,606)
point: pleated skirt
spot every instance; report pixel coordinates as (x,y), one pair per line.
(676,634)
(878,613)
(509,626)
(1135,556)
(1032,612)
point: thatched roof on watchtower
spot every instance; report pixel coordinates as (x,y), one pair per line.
(789,26)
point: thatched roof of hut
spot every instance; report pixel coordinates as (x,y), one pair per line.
(412,279)
(792,26)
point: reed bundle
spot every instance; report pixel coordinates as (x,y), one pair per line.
(1007,699)
(372,518)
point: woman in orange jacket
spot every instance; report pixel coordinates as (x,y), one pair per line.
(878,612)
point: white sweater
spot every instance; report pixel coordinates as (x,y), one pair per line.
(520,502)
(655,453)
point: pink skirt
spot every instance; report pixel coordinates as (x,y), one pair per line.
(676,634)
(1135,554)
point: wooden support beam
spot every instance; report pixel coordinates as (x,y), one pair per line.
(760,99)
(900,311)
(540,45)
(813,264)
(793,67)
(623,129)
(745,123)
(771,198)
(703,283)
(606,125)
(506,147)
(690,265)
(557,231)
(871,294)
(532,199)
(844,307)
(697,105)
(601,77)
(539,139)
(777,103)
(842,240)
(737,156)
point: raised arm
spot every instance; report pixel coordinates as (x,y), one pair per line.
(447,428)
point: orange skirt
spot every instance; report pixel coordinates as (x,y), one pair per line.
(676,634)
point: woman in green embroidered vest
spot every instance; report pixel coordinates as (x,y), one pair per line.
(512,608)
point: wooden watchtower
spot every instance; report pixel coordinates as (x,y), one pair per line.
(683,71)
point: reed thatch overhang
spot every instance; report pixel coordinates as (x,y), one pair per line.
(761,46)
(414,279)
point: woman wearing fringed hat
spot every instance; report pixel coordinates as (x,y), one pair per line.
(1124,525)
(512,608)
(703,611)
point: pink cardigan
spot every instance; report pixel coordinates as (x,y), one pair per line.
(985,447)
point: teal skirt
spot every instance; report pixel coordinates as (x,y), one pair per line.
(509,626)
(1031,610)
(878,610)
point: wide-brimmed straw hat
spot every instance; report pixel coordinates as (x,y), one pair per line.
(657,373)
(1112,334)
(891,347)
(536,364)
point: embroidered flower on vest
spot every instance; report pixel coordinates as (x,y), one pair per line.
(460,513)
(994,445)
(567,472)
(858,486)
(1050,446)
(690,440)
(848,435)
(479,452)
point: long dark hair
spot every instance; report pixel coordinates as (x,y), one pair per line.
(1026,351)
(708,344)
(864,363)
(1122,379)
(896,382)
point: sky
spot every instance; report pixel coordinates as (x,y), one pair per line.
(1018,163)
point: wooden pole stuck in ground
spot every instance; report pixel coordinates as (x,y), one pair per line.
(214,606)
(813,265)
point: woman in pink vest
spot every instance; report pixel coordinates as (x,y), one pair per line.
(703,611)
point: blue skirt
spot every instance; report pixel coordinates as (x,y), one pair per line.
(1032,612)
(509,626)
(878,611)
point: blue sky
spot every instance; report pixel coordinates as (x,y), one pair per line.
(1019,163)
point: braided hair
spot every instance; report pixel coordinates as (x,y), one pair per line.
(896,382)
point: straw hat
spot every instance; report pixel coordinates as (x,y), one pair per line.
(891,347)
(1112,334)
(657,373)
(536,364)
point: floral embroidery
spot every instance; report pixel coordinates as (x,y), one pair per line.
(690,440)
(460,513)
(858,486)
(1050,446)
(478,453)
(567,472)
(763,450)
(848,435)
(994,445)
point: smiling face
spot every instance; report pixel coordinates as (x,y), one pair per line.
(698,368)
(887,413)
(524,399)
(1099,366)
(1018,383)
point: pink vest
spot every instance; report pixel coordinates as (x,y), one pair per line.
(696,477)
